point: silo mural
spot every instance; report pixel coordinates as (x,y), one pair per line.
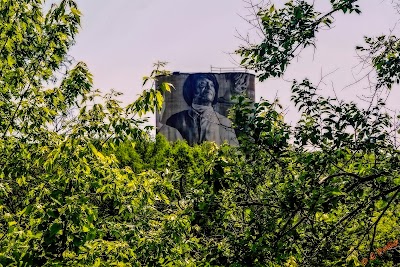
(197,110)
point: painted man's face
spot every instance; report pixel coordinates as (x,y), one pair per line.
(204,92)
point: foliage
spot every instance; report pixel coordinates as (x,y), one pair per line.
(345,179)
(383,53)
(285,32)
(59,195)
(83,184)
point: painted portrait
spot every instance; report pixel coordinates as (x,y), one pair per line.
(197,110)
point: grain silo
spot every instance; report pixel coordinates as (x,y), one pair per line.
(197,109)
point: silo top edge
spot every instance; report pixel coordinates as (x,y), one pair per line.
(189,73)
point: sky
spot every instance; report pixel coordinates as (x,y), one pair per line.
(120,40)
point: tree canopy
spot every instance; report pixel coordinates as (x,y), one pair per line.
(83,183)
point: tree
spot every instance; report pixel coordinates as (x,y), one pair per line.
(59,195)
(83,184)
(286,32)
(349,186)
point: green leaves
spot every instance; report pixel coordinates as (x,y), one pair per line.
(285,32)
(82,184)
(63,201)
(55,229)
(382,53)
(347,6)
(152,99)
(329,124)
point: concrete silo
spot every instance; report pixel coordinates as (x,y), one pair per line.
(197,109)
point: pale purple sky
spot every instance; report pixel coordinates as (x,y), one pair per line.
(121,39)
